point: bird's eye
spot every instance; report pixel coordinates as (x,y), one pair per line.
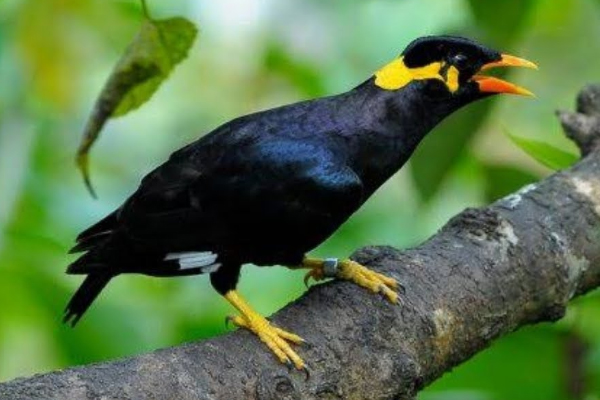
(460,61)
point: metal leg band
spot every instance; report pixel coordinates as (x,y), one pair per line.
(330,267)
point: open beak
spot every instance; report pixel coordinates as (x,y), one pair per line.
(490,84)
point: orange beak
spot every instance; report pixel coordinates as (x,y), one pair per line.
(490,84)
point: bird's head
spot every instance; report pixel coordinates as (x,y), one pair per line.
(449,67)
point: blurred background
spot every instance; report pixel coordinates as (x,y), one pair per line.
(254,54)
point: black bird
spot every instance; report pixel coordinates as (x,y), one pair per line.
(266,188)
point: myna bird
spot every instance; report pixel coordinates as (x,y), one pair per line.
(268,187)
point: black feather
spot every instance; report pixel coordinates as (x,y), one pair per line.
(88,242)
(84,296)
(106,224)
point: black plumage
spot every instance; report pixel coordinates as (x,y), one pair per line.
(268,187)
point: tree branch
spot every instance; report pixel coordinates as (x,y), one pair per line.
(488,272)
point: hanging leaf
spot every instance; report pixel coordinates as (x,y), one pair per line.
(550,156)
(158,47)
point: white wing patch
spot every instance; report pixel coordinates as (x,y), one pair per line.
(205,260)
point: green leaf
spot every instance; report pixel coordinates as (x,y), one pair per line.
(550,156)
(158,47)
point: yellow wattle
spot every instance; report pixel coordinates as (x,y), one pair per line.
(452,79)
(396,75)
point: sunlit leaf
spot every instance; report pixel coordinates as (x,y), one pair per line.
(546,154)
(158,47)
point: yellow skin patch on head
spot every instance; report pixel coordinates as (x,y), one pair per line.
(452,79)
(396,75)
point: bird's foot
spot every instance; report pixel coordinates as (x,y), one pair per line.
(275,338)
(351,271)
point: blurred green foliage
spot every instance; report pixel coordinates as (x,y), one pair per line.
(55,56)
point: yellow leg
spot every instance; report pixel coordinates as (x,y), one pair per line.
(351,271)
(275,338)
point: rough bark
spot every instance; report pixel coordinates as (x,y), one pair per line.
(486,273)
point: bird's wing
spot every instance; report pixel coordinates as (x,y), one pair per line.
(268,186)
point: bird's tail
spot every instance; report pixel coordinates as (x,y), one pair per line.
(100,244)
(85,295)
(107,252)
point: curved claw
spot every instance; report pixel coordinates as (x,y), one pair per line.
(306,373)
(290,367)
(315,273)
(307,277)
